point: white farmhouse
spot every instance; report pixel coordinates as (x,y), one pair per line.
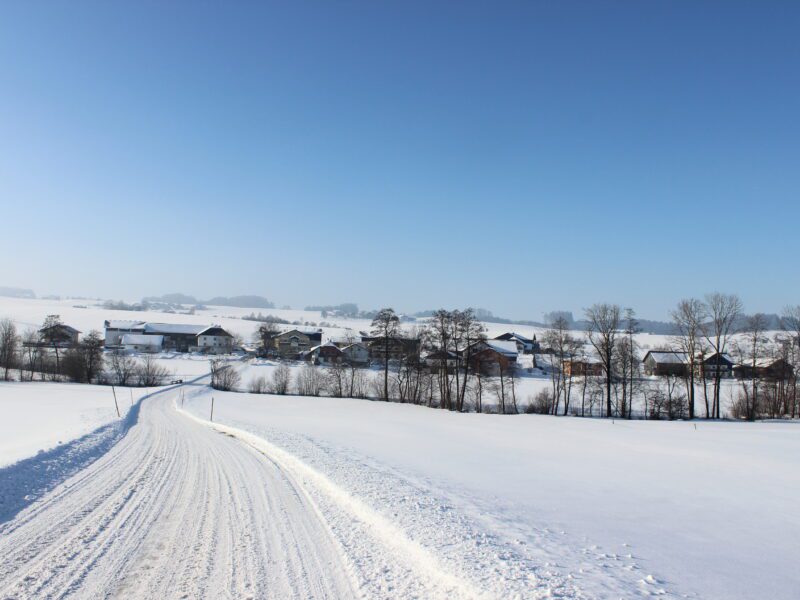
(215,340)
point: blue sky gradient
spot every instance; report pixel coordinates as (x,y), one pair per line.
(522,157)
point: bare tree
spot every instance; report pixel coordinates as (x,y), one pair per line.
(790,323)
(336,380)
(149,373)
(223,375)
(92,346)
(9,347)
(31,353)
(688,319)
(603,325)
(84,361)
(564,346)
(265,334)
(310,381)
(468,332)
(258,385)
(280,380)
(632,355)
(52,335)
(627,373)
(386,327)
(123,368)
(750,349)
(723,312)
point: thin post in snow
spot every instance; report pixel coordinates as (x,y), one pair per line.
(212,409)
(131,391)
(181,398)
(113,391)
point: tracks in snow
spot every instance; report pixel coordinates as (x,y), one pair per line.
(177,509)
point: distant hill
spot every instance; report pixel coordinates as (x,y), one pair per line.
(241,302)
(13,292)
(646,325)
(237,301)
(176,298)
(347,309)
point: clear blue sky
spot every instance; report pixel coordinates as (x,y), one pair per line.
(521,157)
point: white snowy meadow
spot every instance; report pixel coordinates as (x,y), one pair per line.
(417,502)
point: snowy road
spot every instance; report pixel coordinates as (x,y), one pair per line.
(175,509)
(180,509)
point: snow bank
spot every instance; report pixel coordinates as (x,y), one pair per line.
(38,416)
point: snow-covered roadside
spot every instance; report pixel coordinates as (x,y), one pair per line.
(38,416)
(50,431)
(566,506)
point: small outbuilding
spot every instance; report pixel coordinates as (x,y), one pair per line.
(137,342)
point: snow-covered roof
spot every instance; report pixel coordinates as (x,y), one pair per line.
(509,335)
(139,339)
(710,358)
(120,324)
(667,357)
(439,354)
(210,330)
(173,328)
(502,346)
(62,327)
(761,362)
(353,345)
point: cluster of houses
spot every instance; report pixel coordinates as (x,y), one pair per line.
(141,336)
(487,356)
(669,362)
(364,349)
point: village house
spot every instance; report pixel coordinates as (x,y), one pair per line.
(665,362)
(139,342)
(773,369)
(709,365)
(324,354)
(492,357)
(215,340)
(59,335)
(398,348)
(524,345)
(439,359)
(292,343)
(356,354)
(583,367)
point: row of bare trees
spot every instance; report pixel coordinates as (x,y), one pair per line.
(706,331)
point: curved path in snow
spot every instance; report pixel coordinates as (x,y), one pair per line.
(176,509)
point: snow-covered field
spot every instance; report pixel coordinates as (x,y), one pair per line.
(324,497)
(38,416)
(530,503)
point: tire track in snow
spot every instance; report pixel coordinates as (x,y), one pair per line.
(388,540)
(174,509)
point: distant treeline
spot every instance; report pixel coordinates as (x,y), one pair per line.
(246,301)
(13,292)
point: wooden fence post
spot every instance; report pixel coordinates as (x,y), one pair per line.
(113,391)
